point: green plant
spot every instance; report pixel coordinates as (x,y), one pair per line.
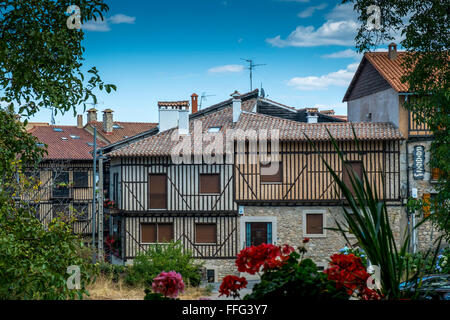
(296,279)
(160,257)
(112,271)
(367,217)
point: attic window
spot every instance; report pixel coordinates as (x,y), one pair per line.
(40,145)
(64,138)
(214,129)
(116,126)
(74,137)
(58,130)
(90,144)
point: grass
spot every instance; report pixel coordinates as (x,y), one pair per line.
(104,288)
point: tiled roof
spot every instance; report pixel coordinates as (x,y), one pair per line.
(173,103)
(127,129)
(70,144)
(162,144)
(391,70)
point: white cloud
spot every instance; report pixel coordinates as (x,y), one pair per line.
(230,68)
(104,25)
(308,12)
(339,78)
(121,18)
(339,29)
(348,53)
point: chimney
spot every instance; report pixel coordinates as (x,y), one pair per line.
(173,114)
(183,121)
(108,120)
(311,115)
(237,106)
(194,103)
(392,54)
(92,115)
(80,121)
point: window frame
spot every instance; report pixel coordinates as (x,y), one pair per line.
(74,181)
(324,224)
(195,232)
(245,219)
(157,232)
(200,183)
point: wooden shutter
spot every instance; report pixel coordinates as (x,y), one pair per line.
(357,168)
(209,183)
(426,204)
(314,223)
(205,233)
(435,174)
(277,177)
(148,233)
(157,186)
(165,232)
(258,233)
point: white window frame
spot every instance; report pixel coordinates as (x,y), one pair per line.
(324,224)
(246,219)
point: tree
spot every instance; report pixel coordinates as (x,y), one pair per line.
(41,59)
(425,27)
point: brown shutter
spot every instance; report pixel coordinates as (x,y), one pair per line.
(314,223)
(355,166)
(426,204)
(165,232)
(277,177)
(209,183)
(157,186)
(205,233)
(148,233)
(435,174)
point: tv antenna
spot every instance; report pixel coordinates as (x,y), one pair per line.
(251,67)
(204,97)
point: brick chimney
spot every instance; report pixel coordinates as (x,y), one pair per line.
(392,53)
(108,120)
(194,102)
(92,115)
(80,121)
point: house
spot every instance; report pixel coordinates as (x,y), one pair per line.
(377,94)
(183,183)
(65,175)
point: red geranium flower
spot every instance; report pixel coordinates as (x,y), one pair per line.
(268,256)
(231,285)
(305,240)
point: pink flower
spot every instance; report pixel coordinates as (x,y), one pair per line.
(169,284)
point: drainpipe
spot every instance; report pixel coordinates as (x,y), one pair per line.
(93,191)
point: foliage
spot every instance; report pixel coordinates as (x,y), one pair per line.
(112,271)
(297,278)
(358,252)
(443,263)
(424,26)
(159,257)
(41,59)
(34,258)
(367,217)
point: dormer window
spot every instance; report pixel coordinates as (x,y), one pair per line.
(214,129)
(116,126)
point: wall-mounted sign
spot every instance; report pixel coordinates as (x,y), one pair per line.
(419,162)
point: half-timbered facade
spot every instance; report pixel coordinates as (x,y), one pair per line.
(215,208)
(377,94)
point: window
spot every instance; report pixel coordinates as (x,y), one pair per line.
(116,187)
(156,232)
(61,185)
(355,167)
(158,191)
(314,223)
(257,233)
(80,211)
(205,233)
(214,129)
(209,183)
(81,179)
(60,210)
(267,176)
(435,174)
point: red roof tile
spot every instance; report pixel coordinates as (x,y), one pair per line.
(65,145)
(127,129)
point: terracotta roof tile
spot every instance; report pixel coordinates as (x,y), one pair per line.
(127,129)
(391,70)
(70,144)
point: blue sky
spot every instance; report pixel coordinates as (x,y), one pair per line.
(166,50)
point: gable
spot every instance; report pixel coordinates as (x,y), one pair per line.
(367,81)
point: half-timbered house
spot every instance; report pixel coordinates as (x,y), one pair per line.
(377,94)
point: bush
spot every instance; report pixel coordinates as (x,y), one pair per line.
(112,271)
(163,257)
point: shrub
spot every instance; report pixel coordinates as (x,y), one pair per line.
(160,257)
(112,271)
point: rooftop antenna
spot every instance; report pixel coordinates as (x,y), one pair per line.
(263,92)
(204,97)
(251,67)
